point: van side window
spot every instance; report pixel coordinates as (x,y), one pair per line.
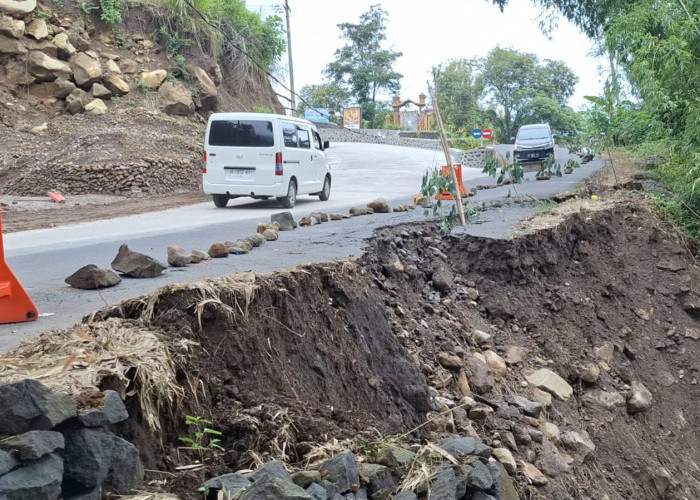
(304,139)
(318,143)
(289,132)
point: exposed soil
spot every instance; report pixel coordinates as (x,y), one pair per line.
(352,350)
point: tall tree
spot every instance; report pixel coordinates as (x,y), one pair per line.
(326,95)
(511,81)
(362,66)
(458,88)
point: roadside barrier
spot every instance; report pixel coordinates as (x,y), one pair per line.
(15,304)
(444,195)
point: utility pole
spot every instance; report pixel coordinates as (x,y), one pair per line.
(289,51)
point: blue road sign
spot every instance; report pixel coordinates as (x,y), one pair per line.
(476,133)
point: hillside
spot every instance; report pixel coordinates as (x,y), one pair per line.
(89,107)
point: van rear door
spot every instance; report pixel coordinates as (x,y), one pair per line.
(241,151)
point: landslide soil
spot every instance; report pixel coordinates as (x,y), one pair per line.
(348,350)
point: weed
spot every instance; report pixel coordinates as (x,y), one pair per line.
(435,182)
(43,14)
(549,168)
(111,11)
(511,171)
(173,42)
(203,443)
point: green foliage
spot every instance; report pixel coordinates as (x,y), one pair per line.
(435,182)
(204,441)
(521,90)
(173,42)
(43,14)
(505,170)
(326,95)
(110,11)
(263,39)
(458,86)
(362,67)
(548,168)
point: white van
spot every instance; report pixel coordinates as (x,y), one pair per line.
(263,155)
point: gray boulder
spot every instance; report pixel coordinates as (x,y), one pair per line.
(135,264)
(63,88)
(40,480)
(86,69)
(273,468)
(178,256)
(380,479)
(465,446)
(256,239)
(94,457)
(30,405)
(207,95)
(7,462)
(443,279)
(285,220)
(174,98)
(444,485)
(46,68)
(406,495)
(33,444)
(111,412)
(472,477)
(91,277)
(396,459)
(17,7)
(228,483)
(270,487)
(76,101)
(320,216)
(305,478)
(317,492)
(380,206)
(342,471)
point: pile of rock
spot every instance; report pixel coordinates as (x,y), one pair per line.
(148,176)
(467,473)
(57,54)
(55,449)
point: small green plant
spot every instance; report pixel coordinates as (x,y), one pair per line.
(173,43)
(111,11)
(511,171)
(204,442)
(43,14)
(120,41)
(435,182)
(87,9)
(549,168)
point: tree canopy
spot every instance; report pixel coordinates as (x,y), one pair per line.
(362,67)
(520,90)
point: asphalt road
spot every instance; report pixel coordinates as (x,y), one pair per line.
(42,259)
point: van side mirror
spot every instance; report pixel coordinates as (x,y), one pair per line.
(554,136)
(326,144)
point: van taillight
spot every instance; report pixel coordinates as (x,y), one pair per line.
(204,167)
(279,170)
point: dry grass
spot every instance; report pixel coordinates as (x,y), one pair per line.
(133,360)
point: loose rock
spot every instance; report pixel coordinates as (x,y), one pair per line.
(91,277)
(380,206)
(29,405)
(639,399)
(135,264)
(178,256)
(550,382)
(218,250)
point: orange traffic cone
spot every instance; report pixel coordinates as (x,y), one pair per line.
(15,304)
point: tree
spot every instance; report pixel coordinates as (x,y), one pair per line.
(326,95)
(458,87)
(362,66)
(511,81)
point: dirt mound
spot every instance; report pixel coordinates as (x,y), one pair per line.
(456,333)
(612,289)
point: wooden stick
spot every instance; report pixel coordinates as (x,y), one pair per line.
(443,139)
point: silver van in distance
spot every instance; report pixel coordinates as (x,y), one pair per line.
(533,143)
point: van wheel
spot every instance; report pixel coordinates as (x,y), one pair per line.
(220,200)
(291,199)
(326,192)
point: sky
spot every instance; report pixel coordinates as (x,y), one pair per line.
(429,33)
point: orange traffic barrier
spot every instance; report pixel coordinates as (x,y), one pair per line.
(56,196)
(15,304)
(462,190)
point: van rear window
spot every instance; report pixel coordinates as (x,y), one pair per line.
(243,133)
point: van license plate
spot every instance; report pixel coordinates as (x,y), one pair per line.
(240,172)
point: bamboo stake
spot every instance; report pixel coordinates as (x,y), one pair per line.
(443,139)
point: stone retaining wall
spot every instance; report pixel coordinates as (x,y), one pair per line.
(149,176)
(473,158)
